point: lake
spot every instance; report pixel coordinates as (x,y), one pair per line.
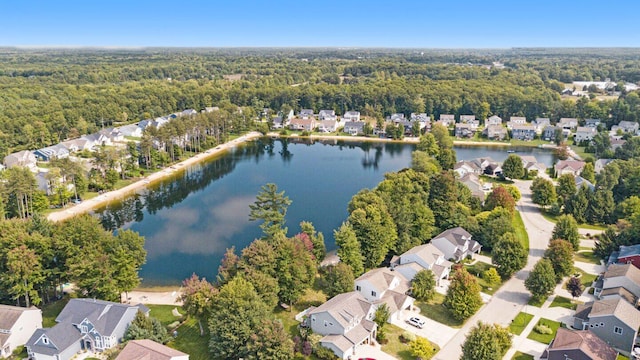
(190,219)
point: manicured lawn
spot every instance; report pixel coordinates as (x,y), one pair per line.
(477,270)
(434,310)
(536,303)
(396,347)
(586,279)
(189,340)
(51,311)
(622,357)
(520,322)
(522,356)
(554,219)
(521,232)
(560,301)
(579,150)
(587,256)
(529,143)
(164,313)
(495,180)
(545,338)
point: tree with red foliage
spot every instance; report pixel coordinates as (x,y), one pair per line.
(500,197)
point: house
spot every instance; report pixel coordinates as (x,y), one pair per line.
(592,122)
(629,255)
(98,139)
(132,130)
(568,123)
(573,167)
(354,127)
(423,257)
(493,120)
(613,320)
(578,345)
(464,167)
(580,182)
(188,112)
(495,132)
(600,164)
(346,322)
(306,114)
(83,325)
(395,118)
(523,132)
(482,163)
(327,115)
(327,126)
(113,134)
(149,350)
(625,276)
(303,124)
(447,119)
(516,120)
(210,109)
(549,132)
(472,181)
(464,130)
(77,145)
(466,119)
(277,122)
(493,169)
(21,158)
(422,118)
(626,127)
(530,163)
(540,124)
(456,244)
(584,133)
(616,143)
(57,151)
(351,116)
(385,286)
(17,324)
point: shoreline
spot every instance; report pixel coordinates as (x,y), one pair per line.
(106,198)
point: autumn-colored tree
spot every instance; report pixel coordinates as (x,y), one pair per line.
(500,197)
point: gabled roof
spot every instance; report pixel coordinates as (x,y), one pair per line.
(148,350)
(618,308)
(382,278)
(626,270)
(524,127)
(494,117)
(585,341)
(352,113)
(427,252)
(9,315)
(345,307)
(580,181)
(620,291)
(471,164)
(447,117)
(575,165)
(626,251)
(587,129)
(456,236)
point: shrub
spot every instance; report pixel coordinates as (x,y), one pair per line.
(406,337)
(284,132)
(543,329)
(324,353)
(305,133)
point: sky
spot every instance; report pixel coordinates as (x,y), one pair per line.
(322,23)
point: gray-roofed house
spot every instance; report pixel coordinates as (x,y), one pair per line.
(17,324)
(277,122)
(580,182)
(354,128)
(578,345)
(456,244)
(600,164)
(132,130)
(464,131)
(464,167)
(188,112)
(628,255)
(306,114)
(346,321)
(98,139)
(76,145)
(472,181)
(540,124)
(616,143)
(113,134)
(386,286)
(327,115)
(493,120)
(447,119)
(573,167)
(495,132)
(422,257)
(48,153)
(568,123)
(83,325)
(523,132)
(626,127)
(530,163)
(516,120)
(308,124)
(21,158)
(327,126)
(592,122)
(150,350)
(549,132)
(351,116)
(619,275)
(584,133)
(613,320)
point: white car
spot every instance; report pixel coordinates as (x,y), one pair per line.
(417,322)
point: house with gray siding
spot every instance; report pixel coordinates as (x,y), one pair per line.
(456,244)
(21,158)
(625,276)
(626,127)
(351,116)
(354,128)
(584,133)
(495,132)
(464,131)
(523,132)
(447,119)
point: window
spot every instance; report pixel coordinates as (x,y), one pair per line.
(617,330)
(373,293)
(45,341)
(358,288)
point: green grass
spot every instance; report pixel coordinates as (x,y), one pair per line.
(622,357)
(564,302)
(587,256)
(579,150)
(51,311)
(529,143)
(396,347)
(520,231)
(522,356)
(495,180)
(434,310)
(554,219)
(477,270)
(537,302)
(545,338)
(585,278)
(164,313)
(189,340)
(520,322)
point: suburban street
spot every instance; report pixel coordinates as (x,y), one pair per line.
(510,299)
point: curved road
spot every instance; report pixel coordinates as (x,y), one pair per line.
(510,299)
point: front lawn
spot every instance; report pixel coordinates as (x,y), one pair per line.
(477,270)
(560,301)
(554,219)
(537,302)
(522,356)
(520,322)
(585,279)
(520,231)
(434,310)
(396,347)
(544,338)
(587,256)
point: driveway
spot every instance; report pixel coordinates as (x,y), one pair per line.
(432,330)
(509,300)
(371,351)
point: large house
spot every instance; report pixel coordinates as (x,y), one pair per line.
(549,132)
(351,116)
(573,167)
(132,130)
(327,115)
(423,257)
(464,130)
(21,158)
(540,124)
(464,167)
(523,132)
(17,324)
(530,163)
(48,153)
(346,321)
(578,345)
(613,320)
(354,128)
(308,124)
(150,350)
(568,123)
(84,324)
(306,114)
(584,133)
(626,127)
(327,126)
(617,276)
(493,120)
(456,244)
(447,119)
(626,255)
(384,286)
(495,132)
(516,120)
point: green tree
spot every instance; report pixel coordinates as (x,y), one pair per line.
(270,207)
(317,239)
(541,280)
(492,225)
(588,172)
(512,167)
(566,187)
(560,254)
(228,266)
(270,342)
(491,276)
(197,295)
(575,287)
(422,162)
(566,228)
(421,348)
(443,197)
(143,327)
(23,274)
(463,296)
(578,204)
(508,255)
(338,279)
(543,192)
(428,144)
(296,270)
(486,342)
(499,196)
(349,248)
(235,312)
(423,285)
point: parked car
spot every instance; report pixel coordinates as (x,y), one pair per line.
(417,322)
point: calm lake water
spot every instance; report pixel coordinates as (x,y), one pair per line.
(189,220)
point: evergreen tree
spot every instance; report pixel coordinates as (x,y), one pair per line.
(349,249)
(270,207)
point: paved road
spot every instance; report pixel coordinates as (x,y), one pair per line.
(512,296)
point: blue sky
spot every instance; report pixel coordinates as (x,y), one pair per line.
(303,23)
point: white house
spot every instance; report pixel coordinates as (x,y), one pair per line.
(327,126)
(516,120)
(456,244)
(385,286)
(327,115)
(351,116)
(625,276)
(132,130)
(584,133)
(21,158)
(493,120)
(573,167)
(423,257)
(17,324)
(447,119)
